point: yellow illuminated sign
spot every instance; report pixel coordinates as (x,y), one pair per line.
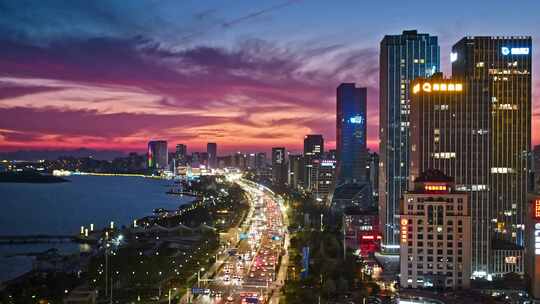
(435,187)
(537,209)
(404,223)
(437,87)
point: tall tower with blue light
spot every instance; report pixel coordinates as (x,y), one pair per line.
(402,59)
(351,134)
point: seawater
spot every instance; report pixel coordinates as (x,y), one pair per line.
(62,208)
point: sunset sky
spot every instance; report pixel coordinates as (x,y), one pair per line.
(245,74)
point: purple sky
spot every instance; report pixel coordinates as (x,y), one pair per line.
(245,74)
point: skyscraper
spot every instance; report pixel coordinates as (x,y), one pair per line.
(240,160)
(158,158)
(296,170)
(476,127)
(279,166)
(313,149)
(323,178)
(351,134)
(402,58)
(260,161)
(181,153)
(498,75)
(211,149)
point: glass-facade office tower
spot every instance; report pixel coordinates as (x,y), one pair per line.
(402,58)
(313,149)
(498,75)
(211,149)
(351,131)
(157,156)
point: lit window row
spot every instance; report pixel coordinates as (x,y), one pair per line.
(506,106)
(444,155)
(502,170)
(443,107)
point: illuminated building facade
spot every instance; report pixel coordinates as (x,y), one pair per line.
(211,149)
(158,155)
(435,234)
(532,251)
(361,231)
(402,59)
(260,161)
(323,178)
(240,161)
(351,131)
(497,74)
(181,154)
(296,170)
(279,166)
(313,149)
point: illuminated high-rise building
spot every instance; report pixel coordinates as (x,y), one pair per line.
(323,178)
(157,155)
(402,58)
(313,149)
(476,127)
(260,160)
(181,154)
(296,170)
(211,149)
(351,134)
(279,166)
(498,75)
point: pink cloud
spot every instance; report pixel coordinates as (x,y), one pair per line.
(118,94)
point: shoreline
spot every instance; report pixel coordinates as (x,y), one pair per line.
(17,257)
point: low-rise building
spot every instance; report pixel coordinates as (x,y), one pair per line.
(435,234)
(361,231)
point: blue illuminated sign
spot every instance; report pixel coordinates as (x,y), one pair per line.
(357,119)
(515,51)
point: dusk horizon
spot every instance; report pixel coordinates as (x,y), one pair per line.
(269,152)
(248,77)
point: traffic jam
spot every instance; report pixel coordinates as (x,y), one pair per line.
(248,274)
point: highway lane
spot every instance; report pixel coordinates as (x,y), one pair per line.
(250,272)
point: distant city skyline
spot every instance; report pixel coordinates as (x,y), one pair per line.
(246,75)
